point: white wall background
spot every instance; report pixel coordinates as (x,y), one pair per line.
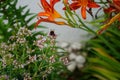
(64,33)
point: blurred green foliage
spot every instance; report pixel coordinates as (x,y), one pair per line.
(104,54)
(12,18)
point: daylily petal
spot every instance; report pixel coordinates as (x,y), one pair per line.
(51,21)
(43,14)
(56,14)
(83,12)
(117,4)
(45,5)
(93,5)
(84,2)
(75,6)
(53,2)
(42,20)
(60,23)
(50,18)
(109,10)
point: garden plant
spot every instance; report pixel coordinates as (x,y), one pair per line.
(26,54)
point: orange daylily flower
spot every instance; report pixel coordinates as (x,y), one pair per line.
(113,19)
(117,4)
(83,4)
(114,7)
(49,14)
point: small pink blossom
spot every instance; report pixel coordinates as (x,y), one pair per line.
(32,58)
(52,59)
